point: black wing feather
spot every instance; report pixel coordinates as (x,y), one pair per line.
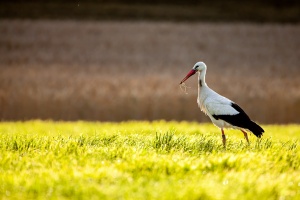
(241,120)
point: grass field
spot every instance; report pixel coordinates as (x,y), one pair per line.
(145,160)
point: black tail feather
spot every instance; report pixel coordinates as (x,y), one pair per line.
(255,129)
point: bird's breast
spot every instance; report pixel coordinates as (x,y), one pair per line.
(201,104)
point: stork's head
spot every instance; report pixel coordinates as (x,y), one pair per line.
(198,67)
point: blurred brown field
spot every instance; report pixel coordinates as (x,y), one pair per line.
(115,71)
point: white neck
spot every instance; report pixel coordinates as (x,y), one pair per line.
(203,90)
(201,79)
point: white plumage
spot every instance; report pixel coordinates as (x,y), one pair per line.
(223,112)
(211,103)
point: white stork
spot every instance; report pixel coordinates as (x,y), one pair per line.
(223,112)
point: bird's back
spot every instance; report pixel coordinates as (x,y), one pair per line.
(208,96)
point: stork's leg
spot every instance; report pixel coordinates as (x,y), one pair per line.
(246,136)
(223,138)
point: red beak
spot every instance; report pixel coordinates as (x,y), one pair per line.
(191,73)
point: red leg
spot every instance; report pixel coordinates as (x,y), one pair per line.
(246,136)
(223,138)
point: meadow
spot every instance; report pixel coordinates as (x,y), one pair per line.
(146,160)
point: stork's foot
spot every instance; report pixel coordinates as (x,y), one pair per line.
(246,136)
(223,139)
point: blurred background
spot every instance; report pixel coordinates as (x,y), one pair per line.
(123,60)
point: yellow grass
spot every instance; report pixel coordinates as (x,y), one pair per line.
(131,70)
